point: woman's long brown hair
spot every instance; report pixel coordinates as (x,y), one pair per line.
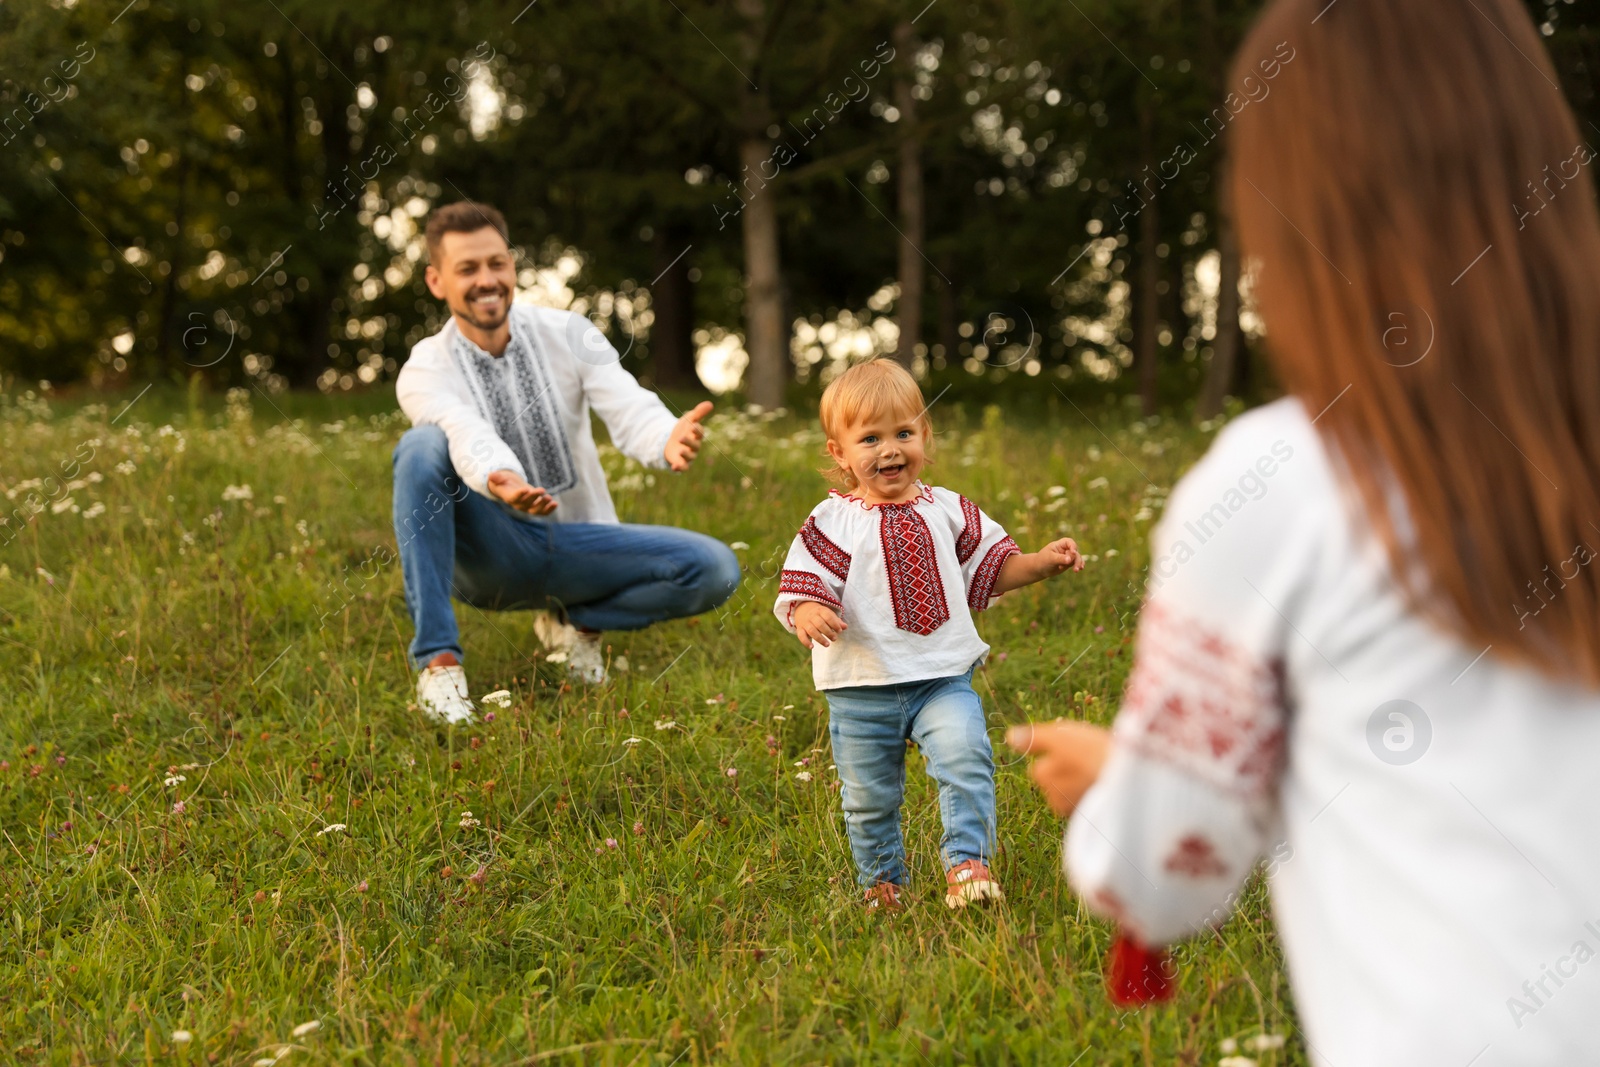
(1417,194)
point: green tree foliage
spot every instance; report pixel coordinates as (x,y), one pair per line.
(236,190)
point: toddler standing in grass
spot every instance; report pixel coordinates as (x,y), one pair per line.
(878,584)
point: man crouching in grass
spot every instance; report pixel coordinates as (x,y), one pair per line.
(499,496)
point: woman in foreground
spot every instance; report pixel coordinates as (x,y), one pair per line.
(1370,646)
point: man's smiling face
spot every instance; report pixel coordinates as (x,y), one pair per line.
(475,275)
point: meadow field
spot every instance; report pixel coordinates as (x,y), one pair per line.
(229,838)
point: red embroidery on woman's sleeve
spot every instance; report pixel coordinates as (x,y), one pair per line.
(1203,703)
(971,531)
(988,572)
(1195,856)
(825,551)
(806,584)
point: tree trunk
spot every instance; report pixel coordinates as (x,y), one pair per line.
(763,296)
(766,340)
(672,299)
(1220,373)
(1146,300)
(913,272)
(949,313)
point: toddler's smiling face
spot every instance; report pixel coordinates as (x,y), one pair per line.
(885,452)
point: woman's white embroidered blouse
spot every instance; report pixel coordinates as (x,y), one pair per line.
(1429,813)
(903,577)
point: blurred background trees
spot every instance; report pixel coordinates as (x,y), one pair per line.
(744,195)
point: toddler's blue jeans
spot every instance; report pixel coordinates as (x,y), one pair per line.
(870,725)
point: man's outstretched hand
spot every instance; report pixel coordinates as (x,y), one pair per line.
(510,487)
(683,444)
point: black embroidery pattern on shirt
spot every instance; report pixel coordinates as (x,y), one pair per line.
(516,393)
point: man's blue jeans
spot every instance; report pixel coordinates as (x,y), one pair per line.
(870,725)
(602,576)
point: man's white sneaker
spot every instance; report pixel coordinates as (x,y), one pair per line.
(442,695)
(582,652)
(553,634)
(586,660)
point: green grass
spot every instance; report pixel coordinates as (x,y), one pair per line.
(255,650)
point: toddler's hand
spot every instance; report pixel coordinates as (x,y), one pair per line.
(1062,555)
(817,624)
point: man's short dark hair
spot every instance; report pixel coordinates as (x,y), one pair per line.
(463,216)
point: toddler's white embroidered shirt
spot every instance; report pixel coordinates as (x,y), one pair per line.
(903,577)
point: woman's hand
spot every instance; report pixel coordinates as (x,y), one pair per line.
(1068,757)
(817,624)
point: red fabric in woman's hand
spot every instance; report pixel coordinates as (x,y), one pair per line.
(1137,975)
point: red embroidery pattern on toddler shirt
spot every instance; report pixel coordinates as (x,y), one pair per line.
(1194,855)
(909,558)
(971,531)
(988,573)
(825,551)
(806,584)
(1204,704)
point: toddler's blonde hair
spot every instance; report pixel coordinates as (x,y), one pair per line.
(877,387)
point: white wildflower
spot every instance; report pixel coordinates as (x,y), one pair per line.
(1229,1046)
(1056,490)
(238,492)
(174,779)
(1100,483)
(1110,552)
(779,718)
(802,776)
(331,828)
(666,724)
(739,546)
(468,821)
(555,657)
(630,741)
(1264,1042)
(181,1037)
(95,510)
(500,698)
(306,1028)
(66,503)
(1236,1061)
